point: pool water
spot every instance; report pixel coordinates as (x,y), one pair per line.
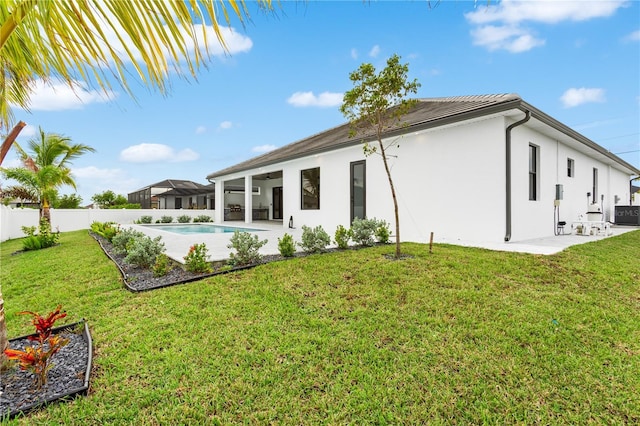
(200,229)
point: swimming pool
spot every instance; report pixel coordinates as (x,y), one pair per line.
(200,229)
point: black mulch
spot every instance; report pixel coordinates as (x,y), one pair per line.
(66,379)
(141,279)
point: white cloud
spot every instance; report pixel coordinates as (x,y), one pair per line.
(225,125)
(574,97)
(511,39)
(509,16)
(92,172)
(375,51)
(354,54)
(263,148)
(92,180)
(544,11)
(200,130)
(323,100)
(28,131)
(234,41)
(634,36)
(155,153)
(59,96)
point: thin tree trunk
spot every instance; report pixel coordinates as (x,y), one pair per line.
(393,195)
(11,137)
(4,341)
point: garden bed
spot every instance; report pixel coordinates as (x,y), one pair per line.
(67,379)
(138,279)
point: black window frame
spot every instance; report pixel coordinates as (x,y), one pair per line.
(571,164)
(306,181)
(534,171)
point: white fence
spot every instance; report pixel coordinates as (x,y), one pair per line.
(13,219)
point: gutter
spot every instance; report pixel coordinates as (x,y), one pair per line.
(507,236)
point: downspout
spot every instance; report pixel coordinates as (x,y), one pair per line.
(631,189)
(507,236)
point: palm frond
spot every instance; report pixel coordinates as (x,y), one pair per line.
(98,40)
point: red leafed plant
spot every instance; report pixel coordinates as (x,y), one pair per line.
(37,358)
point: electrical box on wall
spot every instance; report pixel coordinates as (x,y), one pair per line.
(559,191)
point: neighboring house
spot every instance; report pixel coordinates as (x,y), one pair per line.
(20,203)
(174,194)
(470,168)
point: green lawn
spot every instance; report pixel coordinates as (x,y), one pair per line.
(461,336)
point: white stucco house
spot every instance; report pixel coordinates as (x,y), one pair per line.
(472,168)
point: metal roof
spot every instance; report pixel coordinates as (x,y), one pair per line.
(177,184)
(427,113)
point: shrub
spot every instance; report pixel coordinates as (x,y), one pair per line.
(314,240)
(142,251)
(382,232)
(363,231)
(202,218)
(247,246)
(184,218)
(286,245)
(342,237)
(105,229)
(197,260)
(31,242)
(144,219)
(162,265)
(121,240)
(166,219)
(45,238)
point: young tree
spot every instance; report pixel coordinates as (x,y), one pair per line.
(377,104)
(68,201)
(109,199)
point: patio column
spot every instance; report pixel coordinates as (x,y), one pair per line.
(218,214)
(248,199)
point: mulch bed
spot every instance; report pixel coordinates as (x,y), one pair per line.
(138,279)
(67,379)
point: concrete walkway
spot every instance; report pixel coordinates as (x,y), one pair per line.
(549,245)
(177,245)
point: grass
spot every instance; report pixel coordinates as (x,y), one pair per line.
(462,336)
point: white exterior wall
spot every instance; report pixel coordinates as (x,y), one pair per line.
(456,193)
(334,189)
(534,219)
(450,181)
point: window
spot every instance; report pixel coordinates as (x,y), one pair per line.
(310,186)
(533,172)
(570,172)
(594,191)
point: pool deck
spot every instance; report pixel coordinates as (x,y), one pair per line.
(177,245)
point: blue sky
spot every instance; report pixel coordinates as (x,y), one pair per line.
(284,75)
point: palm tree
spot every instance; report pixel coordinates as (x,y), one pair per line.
(46,169)
(69,39)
